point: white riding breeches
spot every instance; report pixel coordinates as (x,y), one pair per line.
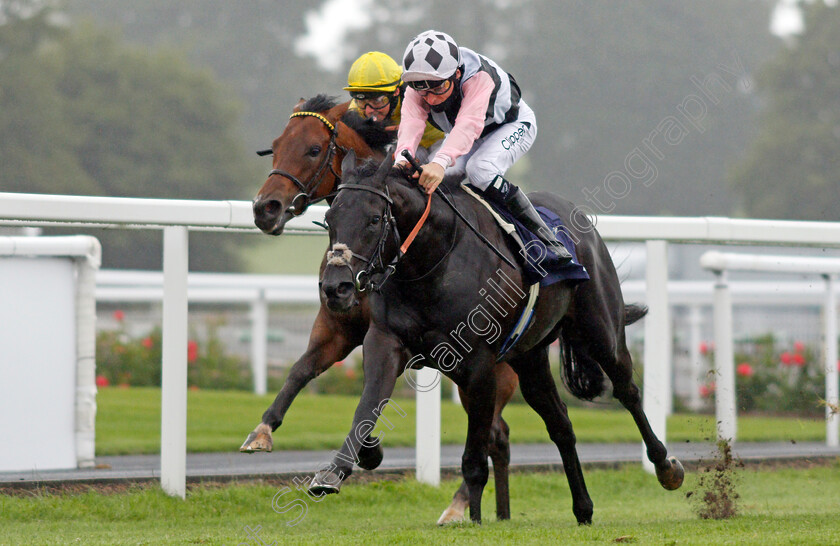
(496,152)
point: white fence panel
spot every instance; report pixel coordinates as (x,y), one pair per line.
(47,348)
(31,209)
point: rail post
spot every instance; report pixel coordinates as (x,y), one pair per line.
(656,401)
(832,419)
(427,452)
(725,410)
(173,427)
(259,342)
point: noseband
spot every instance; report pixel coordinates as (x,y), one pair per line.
(375,264)
(303,199)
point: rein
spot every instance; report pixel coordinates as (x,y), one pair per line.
(303,199)
(406,154)
(420,222)
(363,278)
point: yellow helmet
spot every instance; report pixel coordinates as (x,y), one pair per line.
(374,71)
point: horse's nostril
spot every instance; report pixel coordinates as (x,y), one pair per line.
(273,207)
(340,290)
(345,289)
(267,208)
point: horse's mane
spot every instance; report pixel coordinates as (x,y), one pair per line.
(319,103)
(372,132)
(364,170)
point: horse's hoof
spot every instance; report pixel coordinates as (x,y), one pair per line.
(452,514)
(671,476)
(370,457)
(258,440)
(325,482)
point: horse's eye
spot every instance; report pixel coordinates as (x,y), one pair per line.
(314,151)
(375,220)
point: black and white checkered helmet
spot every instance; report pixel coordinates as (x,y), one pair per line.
(432,55)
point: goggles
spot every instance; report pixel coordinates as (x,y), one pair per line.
(377,101)
(434,87)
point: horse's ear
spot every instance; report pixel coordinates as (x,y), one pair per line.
(385,166)
(349,162)
(298,105)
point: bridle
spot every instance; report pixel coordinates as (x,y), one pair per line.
(363,280)
(302,200)
(375,264)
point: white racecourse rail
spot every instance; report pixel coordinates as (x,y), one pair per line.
(720,263)
(177,217)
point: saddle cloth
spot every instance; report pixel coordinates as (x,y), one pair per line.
(546,270)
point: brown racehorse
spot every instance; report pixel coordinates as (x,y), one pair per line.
(306,167)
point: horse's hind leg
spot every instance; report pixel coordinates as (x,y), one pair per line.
(669,471)
(498,449)
(612,355)
(540,392)
(506,383)
(454,513)
(500,455)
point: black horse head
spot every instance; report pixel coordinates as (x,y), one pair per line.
(364,238)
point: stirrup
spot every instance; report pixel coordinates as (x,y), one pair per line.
(521,207)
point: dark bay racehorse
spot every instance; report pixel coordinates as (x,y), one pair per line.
(441,285)
(306,166)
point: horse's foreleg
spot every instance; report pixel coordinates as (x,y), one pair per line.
(384,357)
(331,340)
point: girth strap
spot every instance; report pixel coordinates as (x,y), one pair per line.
(523,323)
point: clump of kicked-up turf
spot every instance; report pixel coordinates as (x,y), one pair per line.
(716,496)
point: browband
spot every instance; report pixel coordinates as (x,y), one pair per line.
(314,115)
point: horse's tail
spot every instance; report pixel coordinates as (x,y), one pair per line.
(581,374)
(634,312)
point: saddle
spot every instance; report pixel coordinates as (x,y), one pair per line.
(541,266)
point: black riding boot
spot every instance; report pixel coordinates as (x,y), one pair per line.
(501,190)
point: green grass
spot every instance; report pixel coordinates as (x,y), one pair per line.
(128,421)
(776,507)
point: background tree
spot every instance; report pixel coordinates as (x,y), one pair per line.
(250,46)
(600,75)
(82,113)
(38,142)
(792,170)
